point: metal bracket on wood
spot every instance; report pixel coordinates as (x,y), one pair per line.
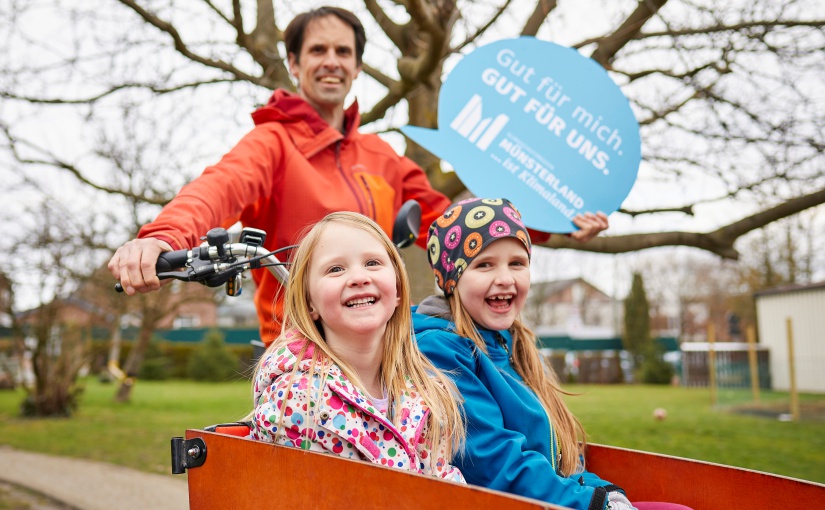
(187,453)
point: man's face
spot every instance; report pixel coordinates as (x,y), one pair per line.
(327,64)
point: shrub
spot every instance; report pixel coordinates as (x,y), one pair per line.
(655,370)
(212,361)
(156,364)
(179,354)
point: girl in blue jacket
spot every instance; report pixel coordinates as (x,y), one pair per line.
(521,437)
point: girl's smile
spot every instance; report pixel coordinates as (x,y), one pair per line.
(494,286)
(352,287)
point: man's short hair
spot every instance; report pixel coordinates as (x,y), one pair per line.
(294,33)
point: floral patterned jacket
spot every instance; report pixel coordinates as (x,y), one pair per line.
(336,417)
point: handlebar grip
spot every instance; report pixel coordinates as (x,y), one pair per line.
(171,260)
(167,261)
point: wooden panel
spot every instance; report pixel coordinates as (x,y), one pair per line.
(241,473)
(699,485)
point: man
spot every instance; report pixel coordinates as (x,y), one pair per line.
(303,159)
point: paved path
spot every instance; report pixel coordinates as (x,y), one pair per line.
(88,485)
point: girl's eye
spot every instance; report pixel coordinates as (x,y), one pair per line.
(372,263)
(335,269)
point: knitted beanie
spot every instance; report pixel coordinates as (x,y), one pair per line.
(464,230)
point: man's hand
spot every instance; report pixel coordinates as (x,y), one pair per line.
(134,264)
(590,226)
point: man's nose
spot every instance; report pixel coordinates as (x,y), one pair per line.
(331,59)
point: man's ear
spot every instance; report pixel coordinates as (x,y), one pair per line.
(292,60)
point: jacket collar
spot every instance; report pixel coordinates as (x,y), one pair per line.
(411,407)
(313,134)
(434,313)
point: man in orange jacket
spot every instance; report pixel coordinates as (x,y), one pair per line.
(303,159)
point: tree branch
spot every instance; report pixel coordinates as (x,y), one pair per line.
(377,75)
(394,31)
(478,33)
(719,241)
(114,89)
(181,47)
(54,161)
(536,20)
(609,45)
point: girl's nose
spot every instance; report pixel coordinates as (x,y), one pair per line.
(359,277)
(504,276)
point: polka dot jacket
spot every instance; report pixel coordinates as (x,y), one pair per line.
(334,416)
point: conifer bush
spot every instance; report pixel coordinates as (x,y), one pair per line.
(212,360)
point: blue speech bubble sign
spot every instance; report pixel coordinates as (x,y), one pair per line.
(539,124)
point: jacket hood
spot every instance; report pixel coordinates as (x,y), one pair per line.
(432,313)
(287,107)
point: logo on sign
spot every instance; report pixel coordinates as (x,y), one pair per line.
(476,129)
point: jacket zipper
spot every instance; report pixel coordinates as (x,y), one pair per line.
(503,343)
(352,189)
(554,447)
(369,197)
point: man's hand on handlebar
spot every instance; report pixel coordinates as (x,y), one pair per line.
(134,264)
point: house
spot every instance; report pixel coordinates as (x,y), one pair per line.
(800,309)
(573,307)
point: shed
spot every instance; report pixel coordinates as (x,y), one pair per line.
(805,306)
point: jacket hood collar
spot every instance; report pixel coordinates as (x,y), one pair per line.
(288,107)
(434,313)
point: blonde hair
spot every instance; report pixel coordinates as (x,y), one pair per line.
(539,377)
(401,359)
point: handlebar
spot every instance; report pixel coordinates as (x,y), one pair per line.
(218,262)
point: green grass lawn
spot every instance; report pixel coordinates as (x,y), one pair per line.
(137,434)
(623,416)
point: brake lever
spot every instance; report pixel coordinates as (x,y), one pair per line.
(184,276)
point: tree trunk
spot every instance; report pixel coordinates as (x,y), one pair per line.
(423,111)
(134,361)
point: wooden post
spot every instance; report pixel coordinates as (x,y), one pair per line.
(712,363)
(753,360)
(792,372)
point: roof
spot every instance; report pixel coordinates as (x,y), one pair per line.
(552,287)
(790,289)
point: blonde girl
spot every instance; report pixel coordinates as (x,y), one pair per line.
(346,376)
(521,437)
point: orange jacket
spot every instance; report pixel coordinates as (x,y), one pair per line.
(286,174)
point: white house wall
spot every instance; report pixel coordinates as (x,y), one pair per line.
(807,312)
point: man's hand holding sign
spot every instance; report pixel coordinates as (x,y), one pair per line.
(541,124)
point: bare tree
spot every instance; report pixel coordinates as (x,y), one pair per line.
(727,94)
(131,98)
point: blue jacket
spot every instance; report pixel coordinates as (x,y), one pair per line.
(508,433)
